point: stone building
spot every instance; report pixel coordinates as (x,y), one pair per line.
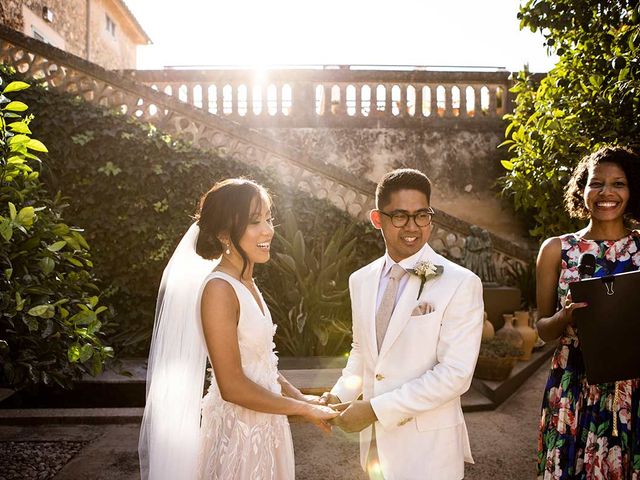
(104,32)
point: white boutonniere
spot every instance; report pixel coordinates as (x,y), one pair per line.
(425,270)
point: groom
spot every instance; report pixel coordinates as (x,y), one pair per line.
(417,323)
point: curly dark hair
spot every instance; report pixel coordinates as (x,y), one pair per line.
(627,158)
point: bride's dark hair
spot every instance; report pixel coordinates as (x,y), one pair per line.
(226,209)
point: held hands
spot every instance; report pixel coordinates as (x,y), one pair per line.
(355,416)
(319,415)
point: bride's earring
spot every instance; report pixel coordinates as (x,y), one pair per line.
(228,250)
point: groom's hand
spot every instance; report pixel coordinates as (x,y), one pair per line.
(356,417)
(328,398)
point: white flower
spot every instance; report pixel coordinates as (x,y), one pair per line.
(425,269)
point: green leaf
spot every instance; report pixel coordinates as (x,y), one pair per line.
(15,86)
(86,352)
(31,323)
(12,211)
(6,229)
(73,353)
(26,216)
(15,106)
(94,327)
(74,261)
(507,164)
(48,330)
(84,317)
(54,247)
(47,265)
(42,311)
(36,145)
(19,127)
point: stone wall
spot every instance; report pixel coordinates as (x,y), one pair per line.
(113,52)
(68,30)
(69,21)
(462,164)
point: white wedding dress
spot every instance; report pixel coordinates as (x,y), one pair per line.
(237,443)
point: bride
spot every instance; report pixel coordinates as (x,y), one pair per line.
(208,305)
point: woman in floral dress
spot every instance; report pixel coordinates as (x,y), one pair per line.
(589,431)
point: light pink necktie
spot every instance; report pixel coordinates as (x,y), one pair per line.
(383,315)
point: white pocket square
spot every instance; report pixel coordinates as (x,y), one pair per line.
(422,309)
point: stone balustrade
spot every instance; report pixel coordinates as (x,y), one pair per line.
(338,97)
(57,69)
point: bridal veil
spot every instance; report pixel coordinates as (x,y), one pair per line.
(169,435)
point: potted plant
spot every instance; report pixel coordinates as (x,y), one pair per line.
(496,359)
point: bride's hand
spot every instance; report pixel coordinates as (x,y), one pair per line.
(313,399)
(320,415)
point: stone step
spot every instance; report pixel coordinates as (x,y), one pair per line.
(483,394)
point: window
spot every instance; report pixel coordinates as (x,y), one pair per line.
(37,35)
(111,26)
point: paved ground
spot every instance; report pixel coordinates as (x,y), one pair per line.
(503,443)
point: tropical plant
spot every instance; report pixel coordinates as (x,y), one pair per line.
(591,97)
(308,290)
(49,304)
(523,277)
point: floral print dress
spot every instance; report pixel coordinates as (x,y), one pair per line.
(576,438)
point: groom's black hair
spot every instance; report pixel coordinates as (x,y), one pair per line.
(401,179)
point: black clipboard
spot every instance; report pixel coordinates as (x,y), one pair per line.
(609,327)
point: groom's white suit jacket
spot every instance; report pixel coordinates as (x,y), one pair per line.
(425,363)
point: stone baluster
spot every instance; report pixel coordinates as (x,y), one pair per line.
(448,101)
(278,99)
(477,106)
(205,96)
(434,100)
(220,100)
(373,103)
(404,105)
(418,110)
(492,101)
(388,100)
(249,100)
(463,100)
(326,108)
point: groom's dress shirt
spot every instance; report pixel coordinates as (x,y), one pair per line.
(408,263)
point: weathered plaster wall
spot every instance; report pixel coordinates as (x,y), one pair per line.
(68,21)
(463,165)
(70,25)
(117,51)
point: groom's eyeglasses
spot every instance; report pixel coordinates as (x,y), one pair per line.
(422,218)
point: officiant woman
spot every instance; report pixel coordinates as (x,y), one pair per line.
(589,431)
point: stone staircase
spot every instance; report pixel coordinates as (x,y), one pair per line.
(57,69)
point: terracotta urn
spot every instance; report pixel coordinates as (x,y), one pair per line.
(509,333)
(527,333)
(487,328)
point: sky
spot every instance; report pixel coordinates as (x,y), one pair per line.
(259,33)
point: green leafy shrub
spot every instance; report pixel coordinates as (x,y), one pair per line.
(591,97)
(308,290)
(49,312)
(134,189)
